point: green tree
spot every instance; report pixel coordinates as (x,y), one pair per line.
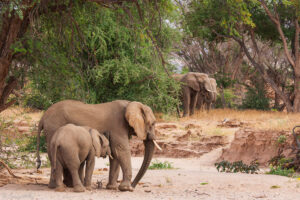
(107,60)
(69,49)
(273,21)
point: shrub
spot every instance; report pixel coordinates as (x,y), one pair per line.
(229,99)
(238,166)
(30,144)
(278,170)
(256,99)
(160,165)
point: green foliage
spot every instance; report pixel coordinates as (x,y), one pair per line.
(160,165)
(224,80)
(239,166)
(229,99)
(101,57)
(280,165)
(29,144)
(277,170)
(218,16)
(281,139)
(256,99)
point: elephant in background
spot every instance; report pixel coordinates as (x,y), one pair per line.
(207,99)
(120,118)
(72,147)
(193,83)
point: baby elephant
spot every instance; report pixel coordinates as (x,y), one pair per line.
(70,147)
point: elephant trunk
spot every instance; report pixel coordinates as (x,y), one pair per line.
(149,149)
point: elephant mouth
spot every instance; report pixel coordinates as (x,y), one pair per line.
(151,136)
(157,146)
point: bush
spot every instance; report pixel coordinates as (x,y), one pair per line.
(278,170)
(239,166)
(229,99)
(30,144)
(161,165)
(256,99)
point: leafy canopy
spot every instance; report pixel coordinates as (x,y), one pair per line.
(98,55)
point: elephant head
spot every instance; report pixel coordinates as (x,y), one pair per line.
(197,81)
(141,118)
(100,144)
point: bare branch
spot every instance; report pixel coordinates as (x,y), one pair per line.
(275,20)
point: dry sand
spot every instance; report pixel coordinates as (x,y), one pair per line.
(192,179)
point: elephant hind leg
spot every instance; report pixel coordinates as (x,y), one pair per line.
(58,178)
(68,181)
(73,166)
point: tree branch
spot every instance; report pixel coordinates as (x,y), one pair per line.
(275,20)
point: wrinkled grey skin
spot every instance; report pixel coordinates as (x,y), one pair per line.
(72,147)
(207,99)
(193,83)
(120,118)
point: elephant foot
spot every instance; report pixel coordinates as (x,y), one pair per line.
(89,188)
(112,186)
(79,188)
(51,184)
(68,182)
(60,189)
(125,186)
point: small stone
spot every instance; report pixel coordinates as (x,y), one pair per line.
(147,190)
(23,129)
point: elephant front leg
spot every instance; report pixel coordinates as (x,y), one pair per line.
(124,158)
(194,99)
(114,169)
(186,101)
(90,165)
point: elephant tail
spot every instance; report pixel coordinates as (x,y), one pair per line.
(40,128)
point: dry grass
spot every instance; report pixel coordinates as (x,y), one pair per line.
(17,112)
(263,120)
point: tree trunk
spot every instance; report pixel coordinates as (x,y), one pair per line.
(296,106)
(223,98)
(13,28)
(266,77)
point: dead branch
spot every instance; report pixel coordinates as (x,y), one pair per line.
(8,169)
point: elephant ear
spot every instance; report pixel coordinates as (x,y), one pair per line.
(138,115)
(104,141)
(191,81)
(213,83)
(96,142)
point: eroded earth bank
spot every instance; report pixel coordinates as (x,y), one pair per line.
(192,146)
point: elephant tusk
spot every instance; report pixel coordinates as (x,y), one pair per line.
(157,146)
(111,157)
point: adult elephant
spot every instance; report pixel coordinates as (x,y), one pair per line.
(193,83)
(207,99)
(120,118)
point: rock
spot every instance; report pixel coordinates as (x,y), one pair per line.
(23,129)
(185,137)
(147,190)
(192,126)
(166,126)
(230,123)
